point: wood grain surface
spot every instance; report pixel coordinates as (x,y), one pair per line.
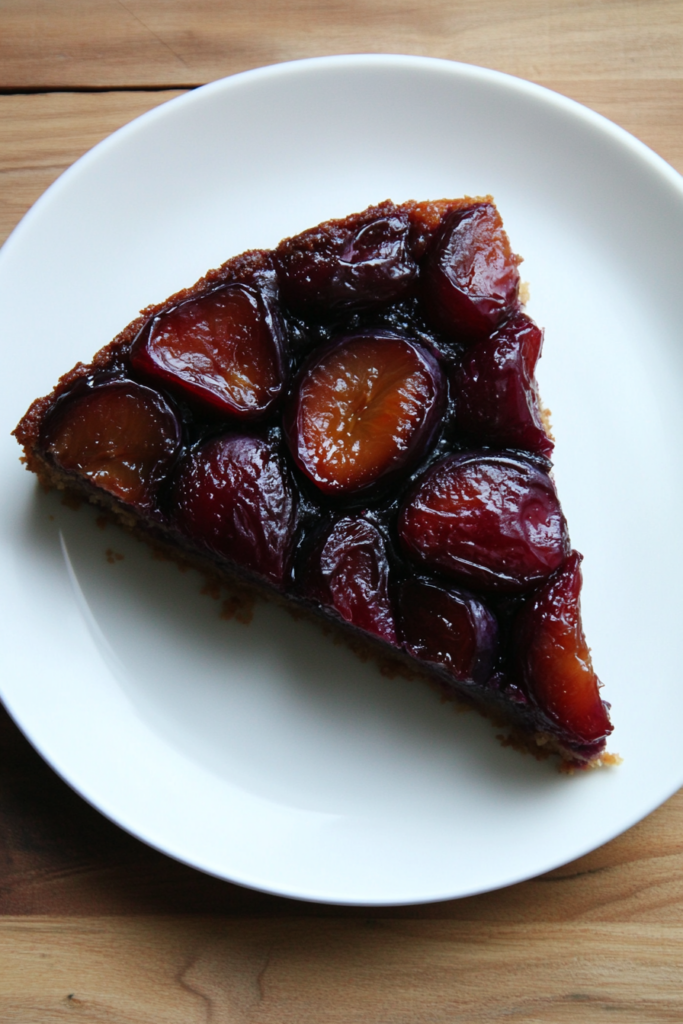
(182,971)
(96,926)
(112,44)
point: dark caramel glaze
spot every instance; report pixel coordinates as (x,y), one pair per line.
(351,421)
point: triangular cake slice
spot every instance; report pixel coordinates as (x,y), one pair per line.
(350,422)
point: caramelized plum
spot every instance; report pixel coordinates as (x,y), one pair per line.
(222,352)
(234,495)
(342,267)
(449,627)
(470,279)
(426,219)
(495,389)
(493,521)
(123,437)
(366,408)
(348,570)
(553,659)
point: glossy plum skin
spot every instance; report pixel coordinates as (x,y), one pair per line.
(348,571)
(470,280)
(325,272)
(553,661)
(496,397)
(490,521)
(234,495)
(121,436)
(449,627)
(222,352)
(365,409)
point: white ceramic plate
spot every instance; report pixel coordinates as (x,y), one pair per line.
(263,753)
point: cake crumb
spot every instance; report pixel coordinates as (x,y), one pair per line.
(113,556)
(239,606)
(605,760)
(211,588)
(101,521)
(546,419)
(70,500)
(162,555)
(524,292)
(459,706)
(522,743)
(391,669)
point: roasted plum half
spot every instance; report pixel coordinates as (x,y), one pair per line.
(121,436)
(553,661)
(470,280)
(449,627)
(496,398)
(490,521)
(337,267)
(234,496)
(365,409)
(222,352)
(347,569)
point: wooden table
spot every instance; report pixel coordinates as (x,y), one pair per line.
(95,926)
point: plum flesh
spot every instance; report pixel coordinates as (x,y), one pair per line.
(449,627)
(348,571)
(553,661)
(365,410)
(234,495)
(470,279)
(121,436)
(496,397)
(490,521)
(223,352)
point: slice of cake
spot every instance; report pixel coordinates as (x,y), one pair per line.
(351,423)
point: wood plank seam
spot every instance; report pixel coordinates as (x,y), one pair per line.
(47,90)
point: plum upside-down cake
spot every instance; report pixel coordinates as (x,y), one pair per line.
(350,422)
